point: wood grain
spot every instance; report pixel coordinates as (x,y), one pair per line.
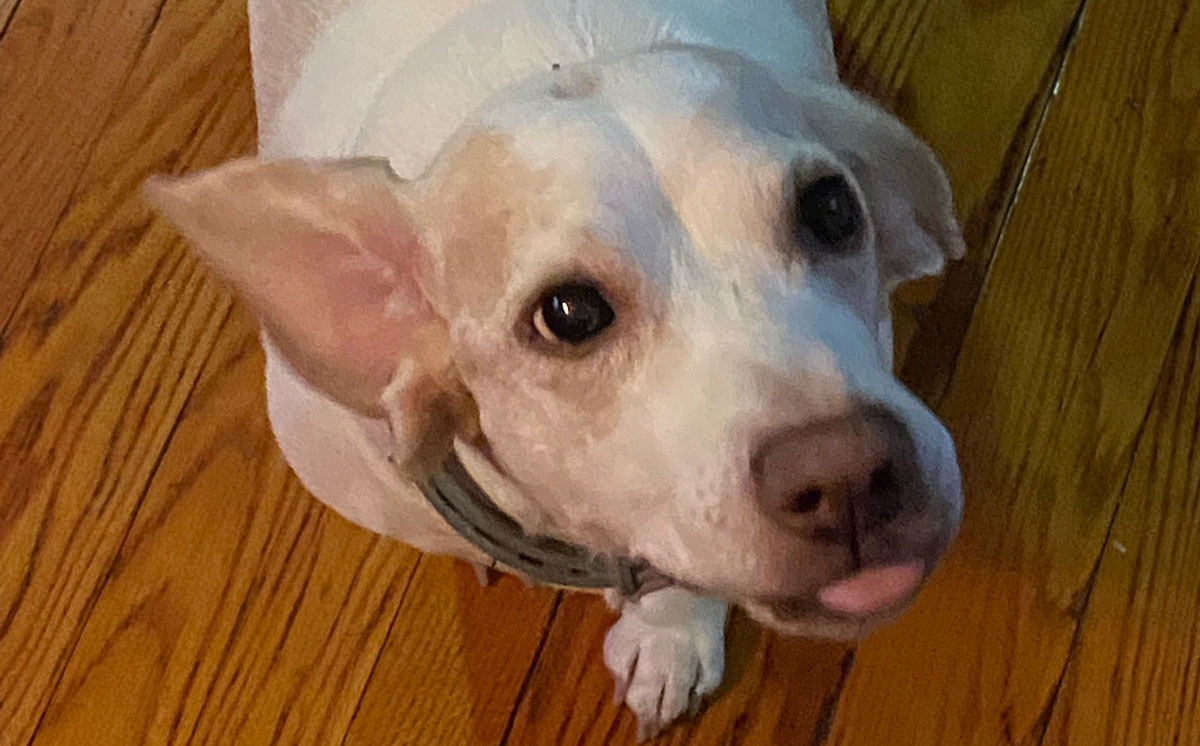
(777,691)
(108,339)
(1135,670)
(1052,392)
(238,610)
(59,84)
(456,661)
(8,8)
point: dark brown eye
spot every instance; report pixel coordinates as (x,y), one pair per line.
(829,209)
(572,314)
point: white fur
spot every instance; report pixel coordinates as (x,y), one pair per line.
(397,78)
(667,652)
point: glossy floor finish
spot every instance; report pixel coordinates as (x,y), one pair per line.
(164,580)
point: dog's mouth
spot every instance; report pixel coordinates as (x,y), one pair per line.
(846,608)
(867,593)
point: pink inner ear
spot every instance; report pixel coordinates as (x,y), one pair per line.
(328,258)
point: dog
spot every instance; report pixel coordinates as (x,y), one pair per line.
(627,263)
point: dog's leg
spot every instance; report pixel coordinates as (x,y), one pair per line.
(666,652)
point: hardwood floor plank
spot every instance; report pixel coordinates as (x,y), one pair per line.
(569,696)
(60,81)
(1135,675)
(239,610)
(108,340)
(929,344)
(1052,391)
(455,661)
(1136,672)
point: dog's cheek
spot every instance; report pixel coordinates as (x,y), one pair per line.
(532,430)
(553,402)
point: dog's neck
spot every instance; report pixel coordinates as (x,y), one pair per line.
(398,77)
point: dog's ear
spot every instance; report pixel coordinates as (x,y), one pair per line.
(907,190)
(328,257)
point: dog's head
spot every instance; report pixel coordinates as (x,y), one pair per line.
(656,291)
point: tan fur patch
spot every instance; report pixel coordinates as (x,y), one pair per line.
(482,199)
(483,202)
(728,192)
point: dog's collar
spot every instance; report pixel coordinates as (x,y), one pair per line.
(464,504)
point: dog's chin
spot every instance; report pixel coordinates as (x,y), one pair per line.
(805,617)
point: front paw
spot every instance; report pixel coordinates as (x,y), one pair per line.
(666,652)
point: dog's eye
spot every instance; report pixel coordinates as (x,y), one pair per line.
(829,209)
(572,314)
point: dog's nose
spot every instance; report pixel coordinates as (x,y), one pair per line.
(837,477)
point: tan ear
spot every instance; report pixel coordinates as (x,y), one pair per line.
(328,257)
(907,190)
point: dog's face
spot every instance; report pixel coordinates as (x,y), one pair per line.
(654,292)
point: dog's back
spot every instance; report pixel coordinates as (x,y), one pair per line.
(338,78)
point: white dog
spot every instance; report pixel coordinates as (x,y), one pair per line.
(613,272)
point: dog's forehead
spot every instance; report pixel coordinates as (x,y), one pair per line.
(509,209)
(652,162)
(711,141)
(667,106)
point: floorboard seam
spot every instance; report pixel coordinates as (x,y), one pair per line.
(1079,610)
(1065,48)
(1009,202)
(37,263)
(379,654)
(537,655)
(8,21)
(830,704)
(1081,605)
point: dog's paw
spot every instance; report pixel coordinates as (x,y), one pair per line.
(666,653)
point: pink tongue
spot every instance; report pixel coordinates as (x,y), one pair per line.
(872,590)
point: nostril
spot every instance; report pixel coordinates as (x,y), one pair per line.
(885,492)
(805,501)
(884,478)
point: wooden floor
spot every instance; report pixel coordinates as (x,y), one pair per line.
(164,580)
